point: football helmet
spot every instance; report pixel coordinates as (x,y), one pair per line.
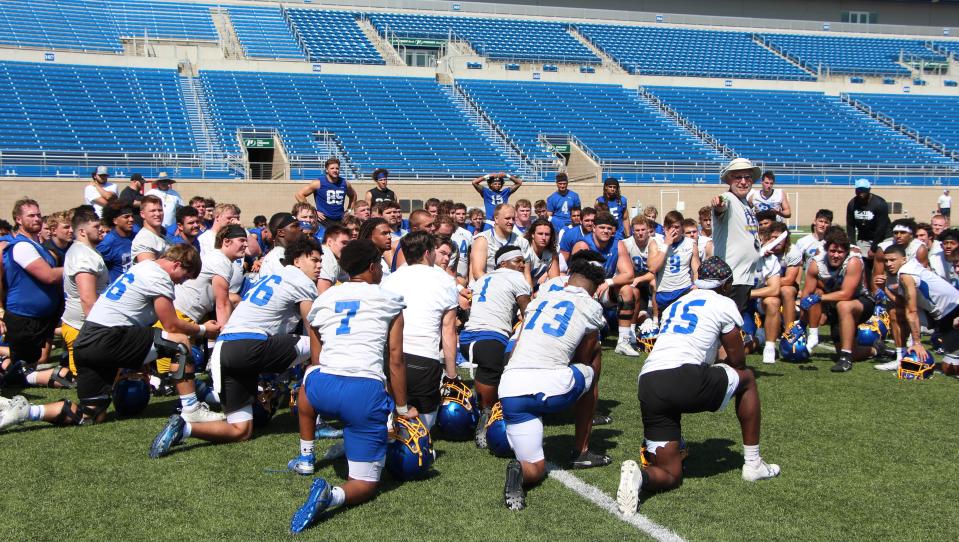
(792,343)
(269,391)
(648,331)
(496,439)
(410,454)
(645,457)
(198,356)
(911,368)
(457,416)
(131,394)
(872,331)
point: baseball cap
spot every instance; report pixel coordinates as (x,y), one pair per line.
(136,177)
(863,184)
(103,170)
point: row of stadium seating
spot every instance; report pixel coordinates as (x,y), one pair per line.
(335,36)
(413,124)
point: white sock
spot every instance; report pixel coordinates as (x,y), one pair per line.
(32,378)
(623,333)
(899,353)
(769,351)
(306,447)
(187,431)
(189,402)
(812,338)
(36,413)
(751,454)
(338,497)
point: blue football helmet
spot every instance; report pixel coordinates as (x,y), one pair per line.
(910,368)
(870,332)
(198,356)
(457,416)
(410,454)
(496,433)
(131,394)
(751,325)
(646,339)
(269,390)
(792,344)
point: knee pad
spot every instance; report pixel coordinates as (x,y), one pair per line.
(92,409)
(67,416)
(177,352)
(14,375)
(625,306)
(68,381)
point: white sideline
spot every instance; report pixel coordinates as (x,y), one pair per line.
(594,495)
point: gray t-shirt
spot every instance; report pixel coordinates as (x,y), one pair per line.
(735,239)
(81,259)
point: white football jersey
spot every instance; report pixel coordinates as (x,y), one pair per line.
(773,203)
(934,295)
(768,267)
(832,278)
(429,292)
(539,265)
(207,241)
(702,241)
(462,238)
(494,243)
(809,246)
(129,300)
(272,305)
(194,298)
(330,268)
(639,256)
(691,330)
(911,249)
(553,327)
(272,263)
(676,273)
(792,257)
(494,301)
(81,258)
(554,284)
(939,264)
(145,241)
(353,320)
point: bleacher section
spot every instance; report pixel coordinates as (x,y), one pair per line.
(932,116)
(404,124)
(264,33)
(691,53)
(610,120)
(66,110)
(946,47)
(332,36)
(162,20)
(497,39)
(851,55)
(794,127)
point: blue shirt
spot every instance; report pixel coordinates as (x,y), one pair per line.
(472,229)
(492,199)
(617,207)
(570,238)
(27,296)
(330,198)
(610,253)
(258,232)
(115,250)
(560,206)
(177,240)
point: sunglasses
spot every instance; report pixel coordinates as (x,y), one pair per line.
(742,177)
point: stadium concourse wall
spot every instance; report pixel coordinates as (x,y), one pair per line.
(268,197)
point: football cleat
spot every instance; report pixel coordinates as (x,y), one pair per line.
(496,439)
(168,436)
(16,412)
(911,368)
(410,455)
(792,344)
(630,482)
(760,471)
(326,431)
(302,465)
(589,459)
(4,403)
(624,348)
(321,494)
(843,363)
(514,496)
(457,414)
(203,414)
(891,365)
(131,394)
(480,436)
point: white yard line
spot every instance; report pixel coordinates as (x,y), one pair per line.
(596,496)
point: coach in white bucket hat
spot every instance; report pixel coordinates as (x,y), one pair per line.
(735,228)
(740,164)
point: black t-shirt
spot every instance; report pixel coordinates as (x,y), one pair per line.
(868,220)
(128,196)
(382,195)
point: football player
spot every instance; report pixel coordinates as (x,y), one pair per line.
(119,334)
(285,230)
(765,293)
(556,364)
(680,264)
(619,273)
(257,339)
(646,256)
(151,240)
(922,289)
(835,277)
(355,322)
(679,377)
(430,315)
(495,298)
(85,277)
(485,244)
(335,238)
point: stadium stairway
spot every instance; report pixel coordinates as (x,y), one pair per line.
(704,136)
(522,165)
(608,61)
(384,47)
(198,116)
(758,39)
(229,40)
(900,127)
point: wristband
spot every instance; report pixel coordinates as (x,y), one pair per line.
(487,177)
(402,410)
(609,282)
(460,287)
(202,331)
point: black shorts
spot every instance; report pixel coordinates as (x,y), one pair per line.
(947,212)
(423,383)
(740,294)
(26,336)
(243,361)
(664,396)
(949,334)
(100,351)
(490,359)
(832,315)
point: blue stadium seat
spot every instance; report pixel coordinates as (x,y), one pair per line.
(264,33)
(332,36)
(932,116)
(851,55)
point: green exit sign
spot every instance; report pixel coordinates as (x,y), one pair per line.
(562,149)
(258,142)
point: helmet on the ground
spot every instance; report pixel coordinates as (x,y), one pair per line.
(911,368)
(792,344)
(457,416)
(410,454)
(131,394)
(496,438)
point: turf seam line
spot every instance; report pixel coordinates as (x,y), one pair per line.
(596,496)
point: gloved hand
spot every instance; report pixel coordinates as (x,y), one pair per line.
(809,301)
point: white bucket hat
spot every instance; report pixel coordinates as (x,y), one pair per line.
(738,164)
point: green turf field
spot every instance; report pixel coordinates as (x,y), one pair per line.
(863,456)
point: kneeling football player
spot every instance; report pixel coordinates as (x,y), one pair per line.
(560,326)
(353,322)
(679,377)
(257,340)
